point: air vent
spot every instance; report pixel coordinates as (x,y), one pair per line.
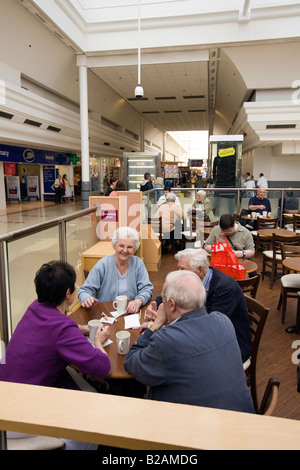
(150,112)
(193,97)
(175,111)
(106,143)
(137,99)
(196,110)
(40,17)
(165,97)
(122,148)
(53,129)
(32,123)
(281,126)
(6,115)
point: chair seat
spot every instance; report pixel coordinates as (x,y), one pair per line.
(291,280)
(35,443)
(269,254)
(289,227)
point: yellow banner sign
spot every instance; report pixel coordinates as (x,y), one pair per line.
(226,152)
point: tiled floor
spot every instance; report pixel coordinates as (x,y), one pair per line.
(24,214)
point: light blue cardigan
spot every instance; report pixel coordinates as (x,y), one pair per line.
(102,281)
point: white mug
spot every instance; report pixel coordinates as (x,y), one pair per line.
(265,214)
(120,303)
(253,215)
(123,342)
(93,324)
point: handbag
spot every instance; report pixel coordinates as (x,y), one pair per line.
(224,259)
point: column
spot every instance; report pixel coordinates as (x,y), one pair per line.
(84,127)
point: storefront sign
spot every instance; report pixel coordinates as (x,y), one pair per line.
(49,179)
(10,169)
(13,188)
(33,187)
(109,216)
(10,153)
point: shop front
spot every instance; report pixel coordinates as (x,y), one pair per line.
(29,174)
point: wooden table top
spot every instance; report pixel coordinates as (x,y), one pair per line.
(292,263)
(268,232)
(250,265)
(83,315)
(254,218)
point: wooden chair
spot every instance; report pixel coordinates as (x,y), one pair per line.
(261,240)
(250,285)
(290,283)
(270,397)
(258,314)
(156,224)
(272,258)
(86,273)
(296,223)
(287,219)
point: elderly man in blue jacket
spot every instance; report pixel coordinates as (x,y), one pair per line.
(187,355)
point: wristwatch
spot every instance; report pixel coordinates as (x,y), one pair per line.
(244,253)
(138,298)
(150,326)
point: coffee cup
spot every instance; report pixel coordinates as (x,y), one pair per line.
(253,215)
(120,303)
(94,325)
(123,342)
(265,214)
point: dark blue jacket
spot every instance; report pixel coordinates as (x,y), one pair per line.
(194,361)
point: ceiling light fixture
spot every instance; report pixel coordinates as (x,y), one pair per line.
(139,92)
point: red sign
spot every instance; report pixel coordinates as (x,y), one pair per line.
(109,216)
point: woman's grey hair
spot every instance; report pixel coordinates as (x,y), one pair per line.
(195,256)
(126,232)
(202,193)
(171,197)
(186,289)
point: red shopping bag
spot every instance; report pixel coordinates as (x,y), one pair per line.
(223,259)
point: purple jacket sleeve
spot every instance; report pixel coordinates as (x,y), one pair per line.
(75,348)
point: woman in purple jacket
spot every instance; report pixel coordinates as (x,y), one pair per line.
(46,340)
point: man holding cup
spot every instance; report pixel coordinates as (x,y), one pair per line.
(260,204)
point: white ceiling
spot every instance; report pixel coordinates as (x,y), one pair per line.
(181,92)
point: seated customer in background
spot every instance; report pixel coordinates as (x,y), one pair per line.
(223,294)
(120,186)
(112,186)
(239,237)
(260,203)
(203,205)
(46,340)
(187,355)
(118,274)
(163,198)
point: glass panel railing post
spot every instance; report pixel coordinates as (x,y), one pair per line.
(62,241)
(5,295)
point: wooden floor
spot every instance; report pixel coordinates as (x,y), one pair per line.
(276,347)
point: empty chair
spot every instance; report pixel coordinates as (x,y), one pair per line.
(156,224)
(18,441)
(270,397)
(250,285)
(287,217)
(261,240)
(258,314)
(272,258)
(290,283)
(296,223)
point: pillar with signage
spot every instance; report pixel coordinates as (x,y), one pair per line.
(224,170)
(225,161)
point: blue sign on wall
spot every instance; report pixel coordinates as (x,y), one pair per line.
(10,153)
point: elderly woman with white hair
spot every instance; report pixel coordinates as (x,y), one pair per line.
(202,204)
(119,274)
